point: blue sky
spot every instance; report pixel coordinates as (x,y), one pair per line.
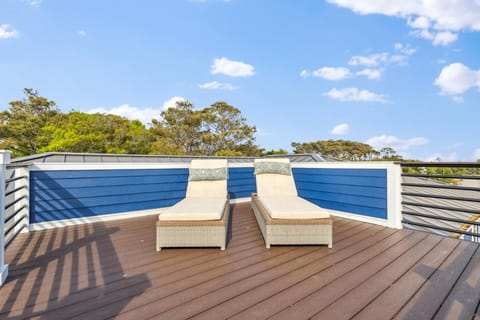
(404,74)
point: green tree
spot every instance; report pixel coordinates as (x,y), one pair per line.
(274,152)
(340,149)
(95,133)
(217,130)
(21,125)
(390,154)
(226,131)
(179,131)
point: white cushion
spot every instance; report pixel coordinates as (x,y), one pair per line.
(292,208)
(213,188)
(201,189)
(275,184)
(195,209)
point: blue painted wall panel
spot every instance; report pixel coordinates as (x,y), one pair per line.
(78,192)
(65,194)
(360,191)
(241,182)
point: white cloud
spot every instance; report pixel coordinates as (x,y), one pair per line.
(372,74)
(7,31)
(35,3)
(355,94)
(304,74)
(172,102)
(373,64)
(82,33)
(372,60)
(423,33)
(476,154)
(431,18)
(405,49)
(419,22)
(457,99)
(133,113)
(341,129)
(231,68)
(399,57)
(328,73)
(456,78)
(444,15)
(398,144)
(444,38)
(215,85)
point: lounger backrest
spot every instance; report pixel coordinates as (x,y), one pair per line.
(273,184)
(207,188)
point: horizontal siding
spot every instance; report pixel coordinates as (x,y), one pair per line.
(66,194)
(241,182)
(360,191)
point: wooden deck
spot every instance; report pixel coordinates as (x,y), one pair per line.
(111,270)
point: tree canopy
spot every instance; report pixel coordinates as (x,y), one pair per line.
(339,149)
(22,124)
(347,150)
(216,130)
(97,133)
(179,130)
(35,124)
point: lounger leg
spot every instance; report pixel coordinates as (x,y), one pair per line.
(222,248)
(267,245)
(158,241)
(330,245)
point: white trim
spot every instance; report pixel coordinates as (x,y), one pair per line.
(344,165)
(185,165)
(359,217)
(394,196)
(240,200)
(105,166)
(106,217)
(57,166)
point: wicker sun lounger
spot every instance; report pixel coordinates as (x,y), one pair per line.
(283,217)
(201,219)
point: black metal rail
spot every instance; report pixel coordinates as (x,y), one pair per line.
(449,201)
(450,230)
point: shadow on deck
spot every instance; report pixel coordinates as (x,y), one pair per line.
(111,269)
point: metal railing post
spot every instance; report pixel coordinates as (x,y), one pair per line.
(4,160)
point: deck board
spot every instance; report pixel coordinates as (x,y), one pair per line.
(111,270)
